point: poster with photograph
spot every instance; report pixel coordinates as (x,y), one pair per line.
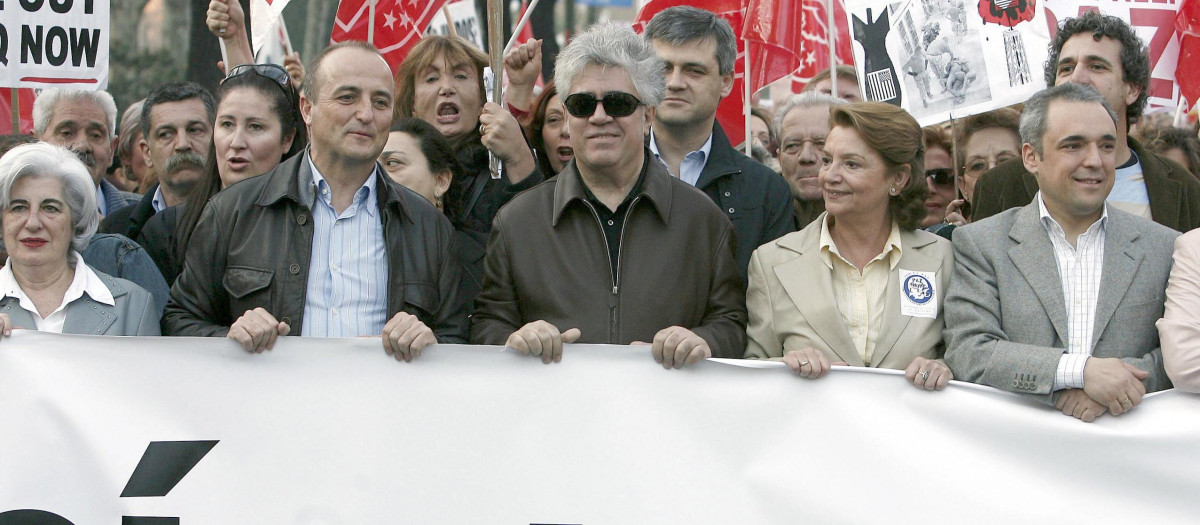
(943,59)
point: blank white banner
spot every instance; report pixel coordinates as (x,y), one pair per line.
(323,431)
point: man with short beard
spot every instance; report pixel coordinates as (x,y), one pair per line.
(177,120)
(84,122)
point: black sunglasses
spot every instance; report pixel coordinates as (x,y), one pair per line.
(616,104)
(273,72)
(941,176)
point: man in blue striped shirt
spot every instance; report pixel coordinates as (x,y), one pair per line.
(324,244)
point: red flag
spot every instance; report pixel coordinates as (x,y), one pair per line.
(25,101)
(1187,75)
(730,114)
(399,24)
(773,39)
(814,49)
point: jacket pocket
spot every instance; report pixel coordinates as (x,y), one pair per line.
(241,281)
(421,300)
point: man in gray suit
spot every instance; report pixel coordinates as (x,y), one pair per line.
(1058,299)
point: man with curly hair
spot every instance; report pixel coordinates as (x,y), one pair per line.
(1105,53)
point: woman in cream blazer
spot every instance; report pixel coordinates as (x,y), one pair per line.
(860,285)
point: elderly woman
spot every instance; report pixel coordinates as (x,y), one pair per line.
(984,141)
(441,82)
(49,213)
(860,285)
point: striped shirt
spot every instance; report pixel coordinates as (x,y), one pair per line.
(861,295)
(347,274)
(1080,268)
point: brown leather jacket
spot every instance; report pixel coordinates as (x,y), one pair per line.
(547,259)
(253,245)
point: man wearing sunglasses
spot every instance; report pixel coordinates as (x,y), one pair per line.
(613,250)
(325,244)
(1105,52)
(699,50)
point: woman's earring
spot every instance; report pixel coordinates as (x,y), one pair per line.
(894,191)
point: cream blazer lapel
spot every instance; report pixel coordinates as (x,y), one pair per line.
(809,285)
(913,258)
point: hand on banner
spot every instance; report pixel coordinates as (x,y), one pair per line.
(256,330)
(225,18)
(543,339)
(809,362)
(676,346)
(930,374)
(404,336)
(1075,402)
(1114,383)
(523,65)
(295,68)
(501,134)
(953,214)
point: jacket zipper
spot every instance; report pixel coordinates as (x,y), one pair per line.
(615,277)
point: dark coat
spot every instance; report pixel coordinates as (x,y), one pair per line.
(757,200)
(253,244)
(1174,192)
(129,220)
(548,259)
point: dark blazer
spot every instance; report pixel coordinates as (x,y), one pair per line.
(1006,319)
(548,259)
(253,246)
(130,220)
(115,199)
(1174,192)
(757,200)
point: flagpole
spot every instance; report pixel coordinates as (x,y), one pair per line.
(449,21)
(520,25)
(371,22)
(746,99)
(495,21)
(14,103)
(832,37)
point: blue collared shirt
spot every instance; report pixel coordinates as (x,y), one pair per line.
(347,274)
(692,164)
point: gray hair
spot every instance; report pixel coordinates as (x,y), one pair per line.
(612,45)
(807,99)
(48,99)
(682,24)
(1033,118)
(47,160)
(131,125)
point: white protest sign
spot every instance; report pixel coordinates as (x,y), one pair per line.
(1154,23)
(331,431)
(466,23)
(940,59)
(54,43)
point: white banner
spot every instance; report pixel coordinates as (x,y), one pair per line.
(466,22)
(940,59)
(54,43)
(322,431)
(264,15)
(1154,23)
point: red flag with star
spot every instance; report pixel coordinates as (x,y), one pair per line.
(399,24)
(730,114)
(814,47)
(1187,75)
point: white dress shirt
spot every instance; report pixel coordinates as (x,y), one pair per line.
(1080,268)
(692,164)
(85,281)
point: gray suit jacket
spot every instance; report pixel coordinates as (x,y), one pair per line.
(135,312)
(1006,319)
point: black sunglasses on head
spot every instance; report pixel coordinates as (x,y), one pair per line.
(273,72)
(616,104)
(941,176)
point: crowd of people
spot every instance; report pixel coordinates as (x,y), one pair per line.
(1035,249)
